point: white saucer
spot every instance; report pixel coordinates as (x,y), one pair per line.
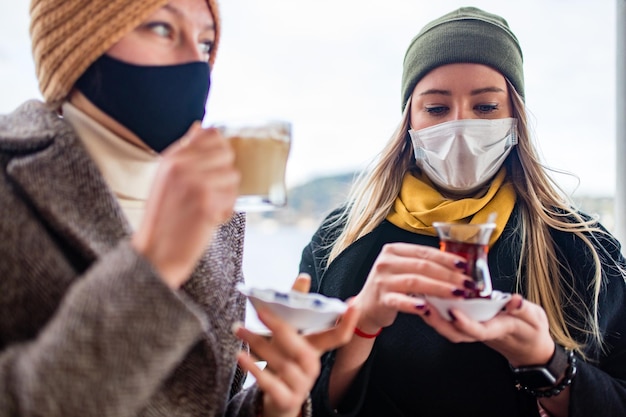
(307,312)
(479,309)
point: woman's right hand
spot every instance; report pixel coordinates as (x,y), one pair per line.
(401,273)
(293,359)
(193,192)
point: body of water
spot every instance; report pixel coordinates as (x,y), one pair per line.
(272,252)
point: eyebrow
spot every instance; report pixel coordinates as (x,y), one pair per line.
(436,91)
(487,90)
(473,92)
(176,11)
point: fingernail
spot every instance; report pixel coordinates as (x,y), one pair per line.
(460,264)
(520,304)
(420,306)
(458,292)
(451,315)
(236,326)
(469,284)
(427,313)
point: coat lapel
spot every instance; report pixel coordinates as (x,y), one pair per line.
(64,185)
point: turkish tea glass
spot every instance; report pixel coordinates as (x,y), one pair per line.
(470,241)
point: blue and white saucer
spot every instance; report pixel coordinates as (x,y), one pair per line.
(307,312)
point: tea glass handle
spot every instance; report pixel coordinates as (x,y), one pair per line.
(484,277)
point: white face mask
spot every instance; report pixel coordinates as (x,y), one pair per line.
(463,155)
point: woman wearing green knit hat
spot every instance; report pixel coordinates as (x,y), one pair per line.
(462,153)
(120,251)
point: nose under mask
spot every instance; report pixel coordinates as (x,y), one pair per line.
(156,103)
(461,156)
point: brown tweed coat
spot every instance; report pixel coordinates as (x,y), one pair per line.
(87,328)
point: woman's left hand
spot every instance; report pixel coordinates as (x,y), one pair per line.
(293,360)
(520,333)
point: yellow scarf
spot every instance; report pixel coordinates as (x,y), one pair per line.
(420,204)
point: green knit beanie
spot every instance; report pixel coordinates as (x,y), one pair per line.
(466,35)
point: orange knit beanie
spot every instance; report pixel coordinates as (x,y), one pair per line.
(69,35)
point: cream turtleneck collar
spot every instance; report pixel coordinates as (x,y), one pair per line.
(127,169)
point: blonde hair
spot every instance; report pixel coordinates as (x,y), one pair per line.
(543,206)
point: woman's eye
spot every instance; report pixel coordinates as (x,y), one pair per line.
(161,29)
(487,108)
(436,110)
(206,47)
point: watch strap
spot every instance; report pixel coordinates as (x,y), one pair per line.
(561,367)
(558,363)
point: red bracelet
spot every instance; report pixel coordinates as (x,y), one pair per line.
(361,333)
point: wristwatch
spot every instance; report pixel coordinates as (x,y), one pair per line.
(543,376)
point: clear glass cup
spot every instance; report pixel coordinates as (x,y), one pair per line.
(471,241)
(261,153)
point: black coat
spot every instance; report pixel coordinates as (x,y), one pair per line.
(413,371)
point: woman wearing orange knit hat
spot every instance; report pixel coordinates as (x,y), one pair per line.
(120,252)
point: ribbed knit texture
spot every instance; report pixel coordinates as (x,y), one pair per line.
(69,35)
(466,35)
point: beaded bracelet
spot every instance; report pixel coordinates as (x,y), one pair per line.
(558,388)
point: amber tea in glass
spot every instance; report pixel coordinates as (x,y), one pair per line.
(470,241)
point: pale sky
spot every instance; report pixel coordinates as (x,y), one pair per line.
(333,68)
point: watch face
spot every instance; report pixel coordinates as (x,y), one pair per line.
(535,377)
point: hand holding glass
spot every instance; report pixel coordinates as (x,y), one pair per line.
(471,241)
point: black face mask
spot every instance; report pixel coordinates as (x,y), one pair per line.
(156,103)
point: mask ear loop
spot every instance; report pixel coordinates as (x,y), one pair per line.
(514,136)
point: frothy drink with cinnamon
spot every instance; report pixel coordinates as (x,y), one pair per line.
(261,153)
